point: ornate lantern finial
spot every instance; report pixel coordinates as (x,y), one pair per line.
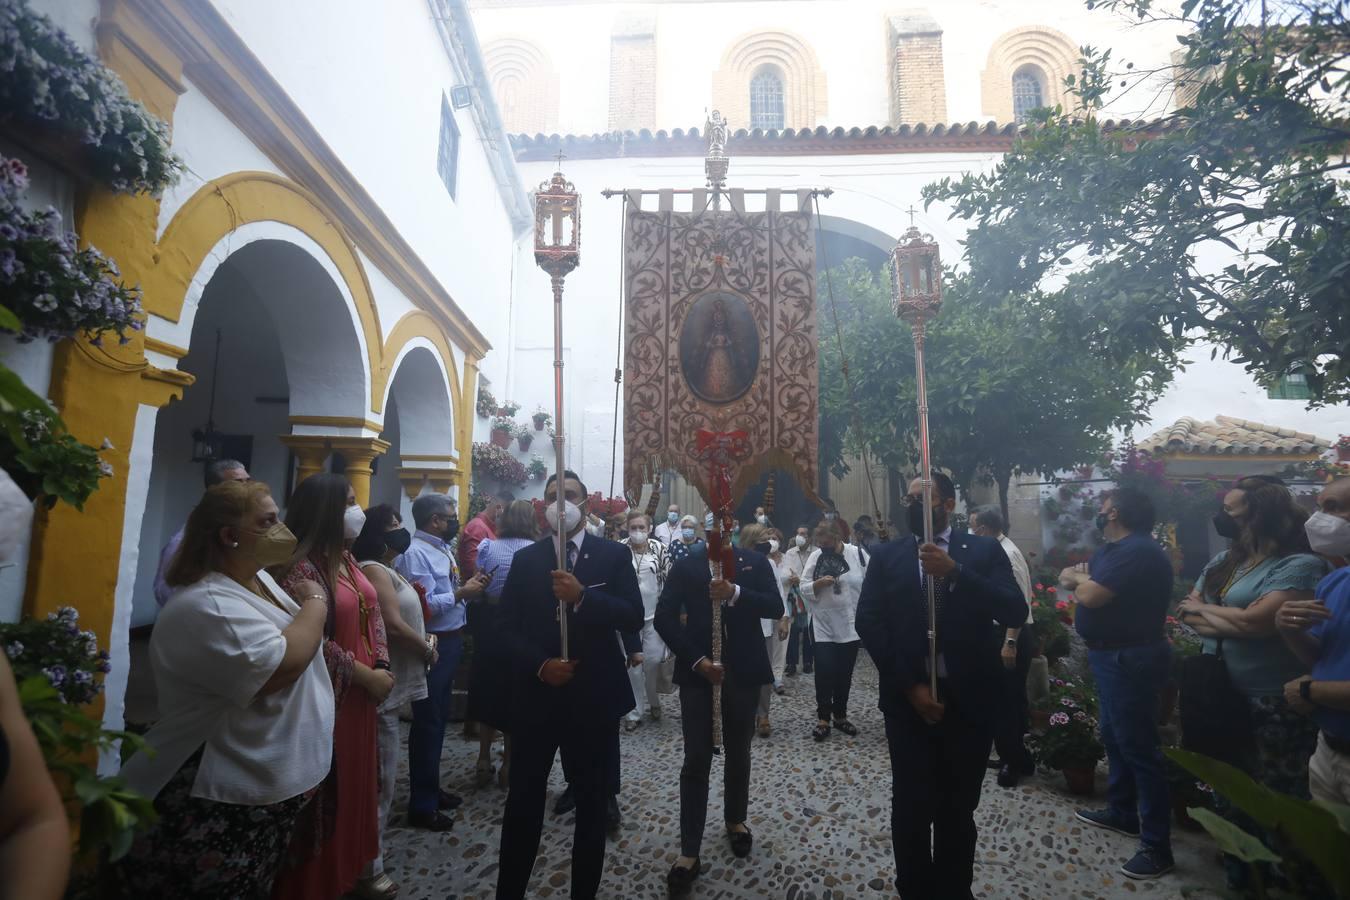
(716,163)
(916,278)
(557,226)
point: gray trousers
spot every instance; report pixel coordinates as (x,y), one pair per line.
(738,725)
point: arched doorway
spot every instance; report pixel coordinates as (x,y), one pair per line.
(272,338)
(419,426)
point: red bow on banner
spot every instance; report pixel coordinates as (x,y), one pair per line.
(720,450)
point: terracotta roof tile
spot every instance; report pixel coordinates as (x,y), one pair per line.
(1231,436)
(917,138)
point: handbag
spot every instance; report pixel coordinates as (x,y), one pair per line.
(1216,718)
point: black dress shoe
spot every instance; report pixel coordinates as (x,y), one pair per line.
(567,801)
(450,801)
(741,842)
(613,819)
(1008,777)
(431,821)
(993,763)
(680,879)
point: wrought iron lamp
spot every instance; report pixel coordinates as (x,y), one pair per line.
(557,250)
(916,297)
(206,441)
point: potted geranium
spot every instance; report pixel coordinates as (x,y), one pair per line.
(503,431)
(537,468)
(497,464)
(1069,740)
(508,409)
(486,404)
(524,437)
(541,419)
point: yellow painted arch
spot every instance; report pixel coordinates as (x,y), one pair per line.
(415,324)
(226,203)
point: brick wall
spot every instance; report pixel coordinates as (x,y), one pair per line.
(918,81)
(632,74)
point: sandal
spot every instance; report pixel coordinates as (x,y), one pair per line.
(376,887)
(820,732)
(846,727)
(483,773)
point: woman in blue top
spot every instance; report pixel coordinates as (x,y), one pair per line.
(687,542)
(1233,607)
(487,691)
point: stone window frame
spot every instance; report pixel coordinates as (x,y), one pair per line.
(1034,74)
(1053,53)
(761,77)
(804,85)
(526,62)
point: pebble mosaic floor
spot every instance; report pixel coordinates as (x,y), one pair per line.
(821,818)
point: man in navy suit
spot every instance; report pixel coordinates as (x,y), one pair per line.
(747,595)
(571,704)
(938,745)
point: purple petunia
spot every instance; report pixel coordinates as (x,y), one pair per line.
(1059,718)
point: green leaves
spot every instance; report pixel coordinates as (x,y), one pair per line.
(1132,226)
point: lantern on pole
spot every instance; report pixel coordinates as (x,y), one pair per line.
(916,297)
(557,250)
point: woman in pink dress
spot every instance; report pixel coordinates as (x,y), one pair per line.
(339,834)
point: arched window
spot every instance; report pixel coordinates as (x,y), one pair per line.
(766,99)
(1027,92)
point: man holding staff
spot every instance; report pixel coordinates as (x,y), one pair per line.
(564,699)
(938,743)
(745,596)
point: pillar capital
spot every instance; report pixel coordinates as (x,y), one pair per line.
(312,450)
(414,478)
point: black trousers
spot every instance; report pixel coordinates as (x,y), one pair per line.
(612,775)
(800,635)
(532,753)
(1012,724)
(738,724)
(834,678)
(936,775)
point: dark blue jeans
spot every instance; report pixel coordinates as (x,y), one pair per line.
(1128,683)
(427,733)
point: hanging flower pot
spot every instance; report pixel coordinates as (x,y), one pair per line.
(541,420)
(501,437)
(1082,780)
(524,439)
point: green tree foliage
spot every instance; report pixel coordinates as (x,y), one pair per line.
(1008,391)
(1224,221)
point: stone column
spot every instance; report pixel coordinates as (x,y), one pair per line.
(415,478)
(311,452)
(359,452)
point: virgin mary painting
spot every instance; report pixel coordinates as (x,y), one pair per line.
(719,347)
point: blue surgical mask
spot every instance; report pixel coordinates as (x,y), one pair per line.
(687,534)
(672,518)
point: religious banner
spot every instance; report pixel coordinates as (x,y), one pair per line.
(720,338)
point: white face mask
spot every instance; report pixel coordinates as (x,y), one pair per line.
(353,520)
(1328,534)
(571,517)
(773,546)
(638,536)
(762,519)
(800,540)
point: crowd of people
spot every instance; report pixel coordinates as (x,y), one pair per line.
(287,646)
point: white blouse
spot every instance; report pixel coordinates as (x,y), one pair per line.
(832,614)
(213,649)
(408,668)
(781,574)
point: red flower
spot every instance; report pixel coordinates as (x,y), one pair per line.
(1039,586)
(1035,604)
(1052,590)
(1062,605)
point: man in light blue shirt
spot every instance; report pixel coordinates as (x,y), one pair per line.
(429,563)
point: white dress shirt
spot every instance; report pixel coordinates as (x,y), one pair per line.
(832,614)
(1021,571)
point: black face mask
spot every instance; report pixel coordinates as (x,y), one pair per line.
(451,529)
(762,547)
(1226,525)
(398,540)
(1101,522)
(914,513)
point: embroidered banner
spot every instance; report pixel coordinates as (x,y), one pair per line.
(720,336)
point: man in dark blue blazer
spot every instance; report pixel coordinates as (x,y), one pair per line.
(574,704)
(939,745)
(747,595)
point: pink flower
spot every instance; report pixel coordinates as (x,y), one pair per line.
(1039,586)
(1062,605)
(1052,590)
(1059,718)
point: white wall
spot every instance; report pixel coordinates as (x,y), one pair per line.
(849,38)
(370,78)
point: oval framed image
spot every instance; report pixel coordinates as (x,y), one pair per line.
(719,347)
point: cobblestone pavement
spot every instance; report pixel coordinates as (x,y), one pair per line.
(820,814)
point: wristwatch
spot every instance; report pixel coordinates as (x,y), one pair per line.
(1305,689)
(1011,642)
